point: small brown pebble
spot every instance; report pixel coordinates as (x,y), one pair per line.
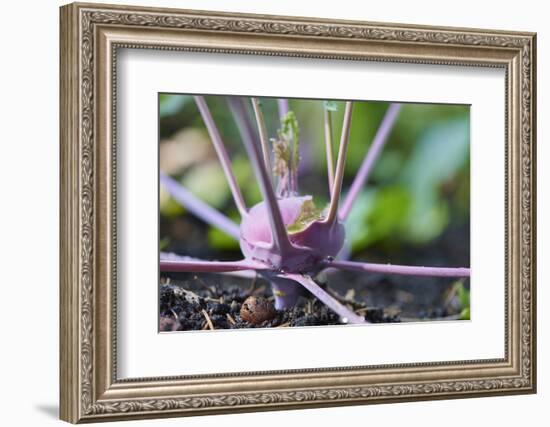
(256,310)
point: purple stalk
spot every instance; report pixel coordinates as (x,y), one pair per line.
(264,142)
(340,165)
(328,146)
(210,266)
(225,161)
(372,154)
(404,270)
(244,274)
(347,315)
(280,237)
(278,230)
(282,103)
(242,118)
(198,208)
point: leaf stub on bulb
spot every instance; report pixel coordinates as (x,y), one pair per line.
(308,214)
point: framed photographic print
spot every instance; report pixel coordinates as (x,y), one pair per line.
(267,212)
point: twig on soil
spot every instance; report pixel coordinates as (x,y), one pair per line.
(283,325)
(208,319)
(231,320)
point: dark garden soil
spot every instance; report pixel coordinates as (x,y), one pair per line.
(219,301)
(237,308)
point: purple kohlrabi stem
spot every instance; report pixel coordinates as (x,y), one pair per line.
(328,147)
(249,137)
(280,237)
(194,266)
(404,270)
(347,315)
(244,274)
(200,209)
(264,141)
(282,103)
(222,154)
(340,165)
(371,156)
(242,118)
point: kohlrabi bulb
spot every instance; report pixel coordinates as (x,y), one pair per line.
(312,239)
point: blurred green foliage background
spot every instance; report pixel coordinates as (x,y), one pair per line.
(419,186)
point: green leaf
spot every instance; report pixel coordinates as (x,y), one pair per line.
(389,212)
(168,206)
(376,215)
(207,182)
(428,218)
(219,240)
(367,117)
(357,232)
(413,119)
(439,155)
(465,314)
(163,243)
(246,180)
(388,166)
(171,104)
(463,295)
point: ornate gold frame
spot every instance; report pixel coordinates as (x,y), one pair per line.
(90,36)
